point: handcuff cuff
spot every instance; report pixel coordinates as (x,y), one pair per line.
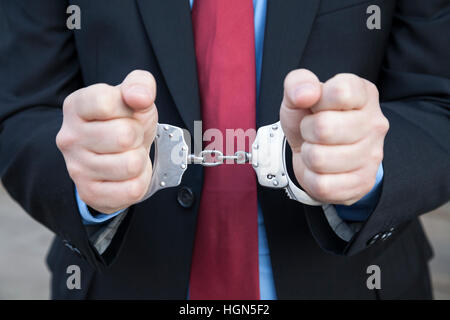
(267,158)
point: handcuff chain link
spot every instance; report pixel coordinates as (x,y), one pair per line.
(240,157)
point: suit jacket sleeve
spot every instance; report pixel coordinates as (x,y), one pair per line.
(414,87)
(38,69)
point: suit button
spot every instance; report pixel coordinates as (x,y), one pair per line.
(374,239)
(185,197)
(386,235)
(74,249)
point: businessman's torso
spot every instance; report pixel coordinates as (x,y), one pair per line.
(154,262)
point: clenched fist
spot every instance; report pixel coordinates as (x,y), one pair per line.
(336,132)
(105,139)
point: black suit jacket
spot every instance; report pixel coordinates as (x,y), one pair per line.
(42,62)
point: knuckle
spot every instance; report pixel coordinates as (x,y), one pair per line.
(108,209)
(64,139)
(60,141)
(75,171)
(377,155)
(107,206)
(135,164)
(298,74)
(320,187)
(69,102)
(135,73)
(100,87)
(290,77)
(341,90)
(145,76)
(104,100)
(315,158)
(367,184)
(150,121)
(87,196)
(153,117)
(139,73)
(91,189)
(372,88)
(382,125)
(151,79)
(348,202)
(349,78)
(126,136)
(365,180)
(104,107)
(322,127)
(136,190)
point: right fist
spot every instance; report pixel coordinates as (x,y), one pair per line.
(105,139)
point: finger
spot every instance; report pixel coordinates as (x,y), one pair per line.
(335,127)
(139,90)
(344,188)
(148,121)
(111,196)
(115,167)
(112,136)
(341,158)
(302,90)
(100,102)
(342,92)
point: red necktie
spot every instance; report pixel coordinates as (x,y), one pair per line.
(225,257)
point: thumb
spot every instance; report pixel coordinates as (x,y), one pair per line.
(139,90)
(302,90)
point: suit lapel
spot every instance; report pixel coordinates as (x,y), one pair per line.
(288,24)
(168,25)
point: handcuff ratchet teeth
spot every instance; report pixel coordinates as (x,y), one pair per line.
(267,158)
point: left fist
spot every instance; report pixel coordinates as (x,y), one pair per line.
(336,132)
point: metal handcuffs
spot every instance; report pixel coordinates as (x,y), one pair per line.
(267,158)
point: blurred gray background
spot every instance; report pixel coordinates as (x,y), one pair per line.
(24,244)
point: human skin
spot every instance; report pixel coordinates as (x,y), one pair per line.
(105,139)
(336,131)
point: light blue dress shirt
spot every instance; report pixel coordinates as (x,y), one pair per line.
(357,212)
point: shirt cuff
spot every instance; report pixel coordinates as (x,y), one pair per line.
(88,218)
(361,210)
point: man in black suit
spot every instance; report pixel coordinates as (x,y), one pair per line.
(48,71)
